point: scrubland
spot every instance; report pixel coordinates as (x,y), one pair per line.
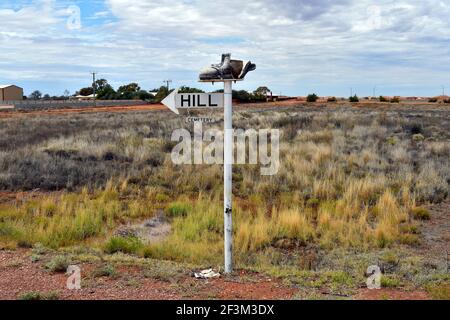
(351,180)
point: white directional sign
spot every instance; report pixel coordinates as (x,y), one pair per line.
(175,101)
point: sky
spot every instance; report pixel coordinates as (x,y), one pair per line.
(329,47)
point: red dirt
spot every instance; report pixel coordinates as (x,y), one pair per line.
(390,294)
(159,107)
(18,275)
(21,113)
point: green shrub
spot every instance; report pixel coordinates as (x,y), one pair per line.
(332,99)
(178,209)
(161,197)
(383,99)
(395,100)
(123,244)
(32,295)
(58,264)
(312,97)
(389,282)
(418,137)
(354,98)
(420,213)
(409,239)
(105,271)
(313,203)
(439,291)
(392,141)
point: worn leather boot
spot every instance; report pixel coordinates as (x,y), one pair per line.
(227,70)
(222,71)
(248,66)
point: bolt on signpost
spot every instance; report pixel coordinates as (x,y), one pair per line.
(227,72)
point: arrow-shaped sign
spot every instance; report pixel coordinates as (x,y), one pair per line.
(169,101)
(175,101)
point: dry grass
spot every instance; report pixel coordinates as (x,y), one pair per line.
(348,178)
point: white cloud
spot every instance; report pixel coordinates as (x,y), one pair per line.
(295,43)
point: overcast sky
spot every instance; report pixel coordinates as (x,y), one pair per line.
(299,46)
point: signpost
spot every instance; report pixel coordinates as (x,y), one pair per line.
(226,72)
(227,175)
(175,101)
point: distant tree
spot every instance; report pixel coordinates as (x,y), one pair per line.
(46,97)
(395,100)
(162,93)
(332,99)
(128,92)
(262,91)
(383,99)
(354,98)
(185,89)
(242,96)
(35,95)
(144,95)
(66,94)
(86,91)
(131,88)
(100,84)
(104,90)
(312,97)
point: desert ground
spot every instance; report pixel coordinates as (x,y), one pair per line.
(359,185)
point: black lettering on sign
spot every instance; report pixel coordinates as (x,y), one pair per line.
(183,100)
(200,102)
(210,102)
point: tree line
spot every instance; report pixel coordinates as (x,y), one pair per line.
(132,91)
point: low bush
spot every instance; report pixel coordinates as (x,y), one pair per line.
(105,271)
(389,282)
(439,291)
(312,97)
(58,264)
(130,245)
(178,209)
(33,295)
(420,213)
(354,99)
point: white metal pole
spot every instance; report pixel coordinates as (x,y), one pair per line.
(228,161)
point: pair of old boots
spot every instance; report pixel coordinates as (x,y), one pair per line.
(227,70)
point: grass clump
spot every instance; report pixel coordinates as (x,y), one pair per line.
(68,219)
(33,295)
(439,291)
(105,271)
(130,245)
(389,282)
(178,209)
(58,264)
(420,213)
